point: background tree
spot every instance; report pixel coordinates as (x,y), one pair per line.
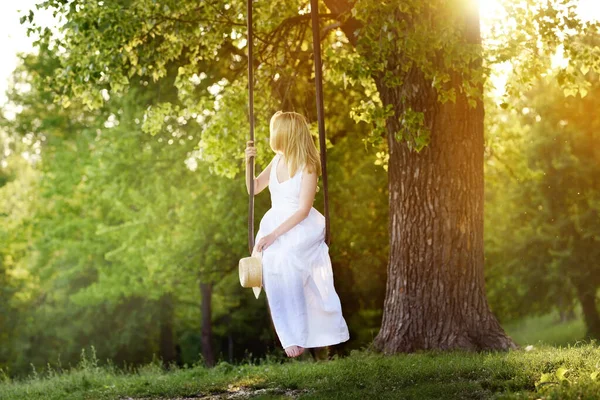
(544,158)
(128,227)
(425,61)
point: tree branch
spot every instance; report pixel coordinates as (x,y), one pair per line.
(349,24)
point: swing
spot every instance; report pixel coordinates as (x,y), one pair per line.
(250,268)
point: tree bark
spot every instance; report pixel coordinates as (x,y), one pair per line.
(207,337)
(435,294)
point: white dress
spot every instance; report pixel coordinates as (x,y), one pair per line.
(297,273)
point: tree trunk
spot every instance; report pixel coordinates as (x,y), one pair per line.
(207,339)
(566,311)
(230,347)
(586,294)
(167,344)
(435,294)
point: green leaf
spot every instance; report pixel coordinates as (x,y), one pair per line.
(569,91)
(546,378)
(561,372)
(584,69)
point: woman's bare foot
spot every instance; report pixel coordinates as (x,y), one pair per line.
(294,351)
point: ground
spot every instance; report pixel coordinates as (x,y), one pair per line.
(551,364)
(532,373)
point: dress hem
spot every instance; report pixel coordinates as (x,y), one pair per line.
(312,346)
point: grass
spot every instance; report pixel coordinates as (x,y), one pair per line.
(557,366)
(546,330)
(541,373)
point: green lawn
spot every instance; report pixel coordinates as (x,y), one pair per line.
(546,330)
(557,366)
(569,373)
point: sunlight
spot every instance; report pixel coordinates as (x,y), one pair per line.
(489,8)
(588,10)
(492,13)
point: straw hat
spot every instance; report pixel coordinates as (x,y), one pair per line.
(251,272)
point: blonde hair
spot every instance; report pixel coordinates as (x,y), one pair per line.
(290,135)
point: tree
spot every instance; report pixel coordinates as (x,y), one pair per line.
(116,242)
(16,230)
(424,62)
(429,74)
(435,295)
(545,236)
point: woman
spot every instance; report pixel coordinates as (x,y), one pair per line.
(297,273)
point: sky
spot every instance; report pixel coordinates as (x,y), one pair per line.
(13,36)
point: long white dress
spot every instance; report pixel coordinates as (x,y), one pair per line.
(297,273)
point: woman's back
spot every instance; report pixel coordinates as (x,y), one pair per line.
(284,194)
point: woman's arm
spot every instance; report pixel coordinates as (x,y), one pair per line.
(308,188)
(262,181)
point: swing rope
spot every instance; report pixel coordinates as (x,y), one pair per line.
(314,10)
(251,118)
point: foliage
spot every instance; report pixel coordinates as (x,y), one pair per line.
(116,237)
(112,44)
(543,222)
(137,108)
(537,32)
(130,216)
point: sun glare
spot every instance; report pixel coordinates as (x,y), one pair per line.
(488,8)
(588,10)
(492,12)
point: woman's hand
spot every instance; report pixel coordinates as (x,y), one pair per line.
(265,241)
(250,151)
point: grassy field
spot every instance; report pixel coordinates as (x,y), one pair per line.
(546,330)
(540,373)
(544,368)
